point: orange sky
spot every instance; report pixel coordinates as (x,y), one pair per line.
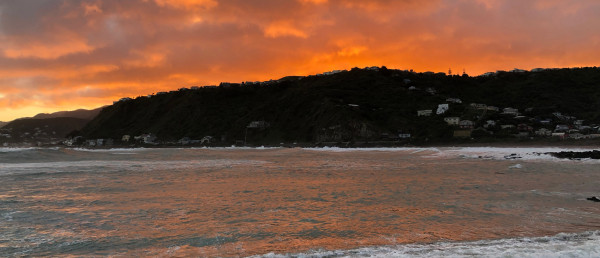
(63,55)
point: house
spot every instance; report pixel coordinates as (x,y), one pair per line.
(559,135)
(206,139)
(431,91)
(452,120)
(466,124)
(442,108)
(543,132)
(426,112)
(578,122)
(546,121)
(404,136)
(194,88)
(412,88)
(577,136)
(146,138)
(507,126)
(561,128)
(510,111)
(161,93)
(492,108)
(125,138)
(454,100)
(489,123)
(535,70)
(478,106)
(258,124)
(516,70)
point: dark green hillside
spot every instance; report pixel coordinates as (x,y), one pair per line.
(356,105)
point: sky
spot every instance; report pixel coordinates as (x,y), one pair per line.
(66,54)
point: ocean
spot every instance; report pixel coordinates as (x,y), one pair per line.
(295,202)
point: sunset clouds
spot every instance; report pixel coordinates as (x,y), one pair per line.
(59,54)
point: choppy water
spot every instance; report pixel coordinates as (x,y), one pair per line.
(297,202)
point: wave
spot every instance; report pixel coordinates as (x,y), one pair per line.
(117,166)
(586,244)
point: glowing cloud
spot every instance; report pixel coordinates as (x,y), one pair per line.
(60,55)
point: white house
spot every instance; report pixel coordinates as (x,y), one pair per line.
(125,138)
(510,111)
(452,120)
(426,112)
(543,132)
(442,108)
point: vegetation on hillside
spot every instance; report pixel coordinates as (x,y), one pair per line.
(355,105)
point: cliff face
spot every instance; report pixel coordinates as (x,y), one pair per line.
(353,105)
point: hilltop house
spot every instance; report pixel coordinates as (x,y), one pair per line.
(426,112)
(510,111)
(452,120)
(442,108)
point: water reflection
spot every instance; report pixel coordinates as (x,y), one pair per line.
(285,200)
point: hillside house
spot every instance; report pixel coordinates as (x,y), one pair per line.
(478,106)
(442,108)
(561,128)
(452,120)
(466,124)
(258,125)
(559,135)
(577,136)
(508,126)
(492,108)
(426,112)
(404,136)
(125,138)
(431,91)
(543,132)
(510,111)
(489,123)
(412,88)
(454,100)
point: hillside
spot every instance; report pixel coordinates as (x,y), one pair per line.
(42,129)
(358,105)
(79,113)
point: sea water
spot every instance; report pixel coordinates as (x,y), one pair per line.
(280,202)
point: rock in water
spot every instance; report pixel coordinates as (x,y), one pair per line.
(594,199)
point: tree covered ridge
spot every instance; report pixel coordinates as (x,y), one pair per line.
(355,105)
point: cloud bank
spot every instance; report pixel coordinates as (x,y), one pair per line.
(60,54)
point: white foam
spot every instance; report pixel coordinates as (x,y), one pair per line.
(117,165)
(519,153)
(586,244)
(400,149)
